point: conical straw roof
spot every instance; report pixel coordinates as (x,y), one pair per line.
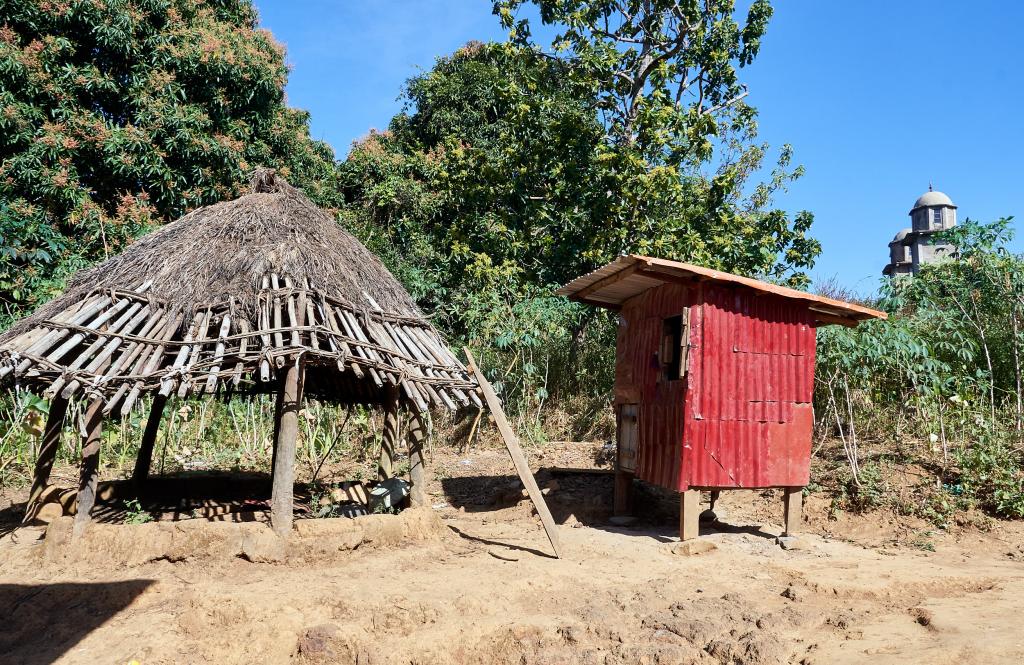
(221,299)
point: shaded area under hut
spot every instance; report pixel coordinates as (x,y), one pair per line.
(265,294)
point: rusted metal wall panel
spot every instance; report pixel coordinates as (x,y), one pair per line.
(639,380)
(742,417)
(749,419)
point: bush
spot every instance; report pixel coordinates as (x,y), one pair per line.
(992,475)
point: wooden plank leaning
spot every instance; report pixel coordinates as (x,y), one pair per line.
(516,452)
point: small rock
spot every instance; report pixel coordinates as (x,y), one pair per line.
(791,593)
(48,512)
(708,516)
(693,547)
(791,543)
(261,545)
(622,520)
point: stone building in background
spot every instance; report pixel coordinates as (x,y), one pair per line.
(932,212)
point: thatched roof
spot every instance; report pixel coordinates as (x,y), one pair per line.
(221,299)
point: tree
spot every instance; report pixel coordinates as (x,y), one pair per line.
(681,140)
(122,114)
(489,179)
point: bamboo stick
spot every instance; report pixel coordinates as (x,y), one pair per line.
(185,385)
(148,360)
(167,383)
(109,347)
(218,353)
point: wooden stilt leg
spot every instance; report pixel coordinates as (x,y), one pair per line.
(417,437)
(689,509)
(389,439)
(793,506)
(623,493)
(278,408)
(709,515)
(145,458)
(92,431)
(48,447)
(281,501)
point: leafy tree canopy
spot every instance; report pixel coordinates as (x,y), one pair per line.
(514,169)
(119,114)
(681,139)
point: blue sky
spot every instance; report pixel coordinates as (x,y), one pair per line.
(877,99)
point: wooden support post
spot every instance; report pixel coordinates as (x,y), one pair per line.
(793,505)
(689,514)
(417,436)
(278,409)
(281,500)
(516,453)
(92,432)
(710,515)
(623,504)
(389,438)
(48,447)
(144,460)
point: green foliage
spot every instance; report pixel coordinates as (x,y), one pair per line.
(506,176)
(122,114)
(134,513)
(680,140)
(992,470)
(942,377)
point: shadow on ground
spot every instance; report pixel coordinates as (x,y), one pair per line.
(584,496)
(42,622)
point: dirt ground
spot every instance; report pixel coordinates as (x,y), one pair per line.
(471,580)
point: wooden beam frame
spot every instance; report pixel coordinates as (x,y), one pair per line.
(608,281)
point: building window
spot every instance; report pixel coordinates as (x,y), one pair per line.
(937,217)
(675,343)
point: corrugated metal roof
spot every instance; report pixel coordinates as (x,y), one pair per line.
(628,276)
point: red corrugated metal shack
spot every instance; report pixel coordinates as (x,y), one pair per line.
(714,375)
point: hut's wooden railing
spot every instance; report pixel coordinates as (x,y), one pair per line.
(117,345)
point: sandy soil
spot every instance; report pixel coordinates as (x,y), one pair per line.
(479,586)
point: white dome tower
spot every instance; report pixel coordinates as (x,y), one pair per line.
(932,212)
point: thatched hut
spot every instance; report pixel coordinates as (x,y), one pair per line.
(263,294)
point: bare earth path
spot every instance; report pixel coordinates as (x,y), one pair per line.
(484,590)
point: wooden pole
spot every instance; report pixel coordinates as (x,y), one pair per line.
(518,458)
(793,507)
(144,460)
(417,436)
(689,514)
(623,493)
(278,409)
(92,432)
(48,447)
(389,438)
(281,499)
